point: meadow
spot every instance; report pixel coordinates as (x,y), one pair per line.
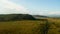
(22,27)
(30,27)
(54,26)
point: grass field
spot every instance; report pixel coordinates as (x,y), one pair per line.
(30,27)
(22,27)
(54,26)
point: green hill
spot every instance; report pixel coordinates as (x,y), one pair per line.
(12,17)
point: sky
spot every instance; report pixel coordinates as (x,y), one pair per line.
(35,7)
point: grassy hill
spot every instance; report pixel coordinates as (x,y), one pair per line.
(12,17)
(27,26)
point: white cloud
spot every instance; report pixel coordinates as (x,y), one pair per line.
(42,12)
(54,12)
(7,6)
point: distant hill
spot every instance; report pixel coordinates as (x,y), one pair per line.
(8,17)
(54,16)
(40,16)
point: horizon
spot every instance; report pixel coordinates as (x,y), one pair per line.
(34,7)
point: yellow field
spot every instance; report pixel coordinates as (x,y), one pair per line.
(30,27)
(54,26)
(22,27)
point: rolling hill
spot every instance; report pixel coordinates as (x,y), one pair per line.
(12,17)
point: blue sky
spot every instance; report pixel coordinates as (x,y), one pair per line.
(40,7)
(51,5)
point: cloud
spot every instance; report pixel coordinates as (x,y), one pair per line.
(7,7)
(46,12)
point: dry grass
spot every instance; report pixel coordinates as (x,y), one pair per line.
(54,26)
(30,27)
(22,27)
